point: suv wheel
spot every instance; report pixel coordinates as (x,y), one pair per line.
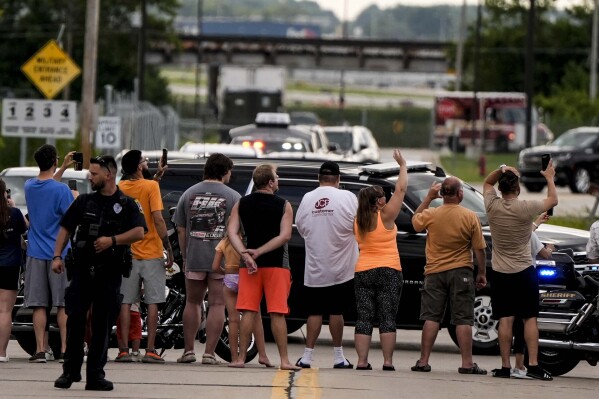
(485,338)
(580,181)
(534,187)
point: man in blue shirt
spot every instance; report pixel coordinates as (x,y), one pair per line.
(47,201)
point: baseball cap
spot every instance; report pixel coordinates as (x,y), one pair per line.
(329,168)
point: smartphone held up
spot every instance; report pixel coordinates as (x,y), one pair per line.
(545,158)
(164,158)
(78,159)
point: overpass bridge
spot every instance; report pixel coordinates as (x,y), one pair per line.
(305,53)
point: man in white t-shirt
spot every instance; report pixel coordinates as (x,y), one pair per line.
(325,219)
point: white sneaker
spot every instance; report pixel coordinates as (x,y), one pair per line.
(136,356)
(519,373)
(4,359)
(50,355)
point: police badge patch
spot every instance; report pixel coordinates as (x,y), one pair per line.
(117,208)
(139,206)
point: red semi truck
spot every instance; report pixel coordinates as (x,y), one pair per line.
(460,118)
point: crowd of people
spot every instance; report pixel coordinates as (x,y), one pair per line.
(93,256)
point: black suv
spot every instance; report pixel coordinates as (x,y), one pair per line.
(575,156)
(298,177)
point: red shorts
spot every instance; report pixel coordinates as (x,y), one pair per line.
(134,326)
(273,282)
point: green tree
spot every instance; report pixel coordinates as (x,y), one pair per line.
(26,25)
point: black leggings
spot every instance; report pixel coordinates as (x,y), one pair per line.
(377,298)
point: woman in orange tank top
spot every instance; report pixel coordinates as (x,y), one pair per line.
(378,279)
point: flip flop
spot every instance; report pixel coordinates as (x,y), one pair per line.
(423,369)
(472,370)
(342,365)
(302,365)
(367,367)
(388,368)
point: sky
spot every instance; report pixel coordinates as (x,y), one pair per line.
(354,7)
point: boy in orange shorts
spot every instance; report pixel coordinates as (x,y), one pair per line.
(134,334)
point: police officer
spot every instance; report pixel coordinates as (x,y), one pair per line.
(102,225)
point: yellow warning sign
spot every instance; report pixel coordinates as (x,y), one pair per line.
(50,69)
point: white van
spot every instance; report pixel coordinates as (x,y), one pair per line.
(16,177)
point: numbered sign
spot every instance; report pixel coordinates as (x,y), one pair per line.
(108,134)
(39,118)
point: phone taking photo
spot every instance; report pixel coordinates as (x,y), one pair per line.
(73,184)
(78,159)
(545,158)
(164,159)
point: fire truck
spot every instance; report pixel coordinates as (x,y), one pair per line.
(495,119)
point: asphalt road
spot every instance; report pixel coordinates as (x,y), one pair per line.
(19,379)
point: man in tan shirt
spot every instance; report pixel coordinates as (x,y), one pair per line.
(510,220)
(454,233)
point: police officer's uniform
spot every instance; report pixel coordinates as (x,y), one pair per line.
(95,277)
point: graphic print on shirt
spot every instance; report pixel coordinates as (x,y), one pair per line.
(319,208)
(207,216)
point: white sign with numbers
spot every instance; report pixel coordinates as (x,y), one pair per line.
(108,134)
(39,118)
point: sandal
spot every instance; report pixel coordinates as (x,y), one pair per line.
(472,370)
(367,367)
(503,372)
(424,369)
(342,365)
(188,357)
(209,359)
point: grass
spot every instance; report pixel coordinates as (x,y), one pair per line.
(575,222)
(468,168)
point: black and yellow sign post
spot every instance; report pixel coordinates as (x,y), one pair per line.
(50,69)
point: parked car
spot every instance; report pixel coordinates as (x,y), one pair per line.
(355,143)
(204,150)
(273,133)
(297,178)
(304,118)
(16,177)
(575,156)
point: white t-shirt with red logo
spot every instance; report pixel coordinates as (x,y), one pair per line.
(325,219)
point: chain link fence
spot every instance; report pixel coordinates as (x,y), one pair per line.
(143,125)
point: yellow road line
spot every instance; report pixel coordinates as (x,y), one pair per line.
(302,384)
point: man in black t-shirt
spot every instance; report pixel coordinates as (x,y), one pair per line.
(266,219)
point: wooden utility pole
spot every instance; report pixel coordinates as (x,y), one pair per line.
(141,55)
(459,69)
(529,71)
(88,92)
(593,83)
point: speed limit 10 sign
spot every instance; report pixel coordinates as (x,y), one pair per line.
(108,134)
(39,118)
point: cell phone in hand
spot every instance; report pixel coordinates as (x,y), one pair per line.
(550,212)
(545,158)
(164,159)
(78,159)
(73,184)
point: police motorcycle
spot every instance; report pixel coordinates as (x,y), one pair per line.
(169,334)
(568,314)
